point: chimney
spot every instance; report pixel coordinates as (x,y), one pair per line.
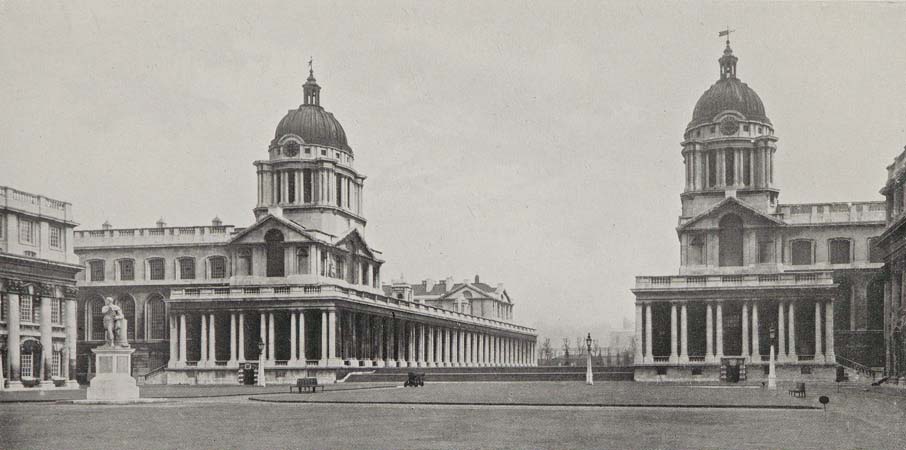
(107,225)
(216,222)
(448,284)
(429,285)
(161,223)
(476,279)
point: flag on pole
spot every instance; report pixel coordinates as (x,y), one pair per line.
(723,33)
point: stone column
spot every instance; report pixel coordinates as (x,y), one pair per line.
(203,341)
(240,351)
(332,337)
(174,341)
(47,341)
(13,341)
(709,334)
(232,339)
(781,333)
(271,354)
(649,357)
(293,338)
(71,339)
(324,336)
(684,335)
(719,351)
(745,331)
(829,354)
(638,332)
(301,339)
(756,333)
(673,325)
(422,361)
(819,355)
(792,353)
(481,352)
(182,339)
(212,340)
(469,354)
(431,362)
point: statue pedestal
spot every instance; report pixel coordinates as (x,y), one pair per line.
(113,381)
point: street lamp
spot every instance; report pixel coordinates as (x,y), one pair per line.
(261,365)
(772,376)
(588,377)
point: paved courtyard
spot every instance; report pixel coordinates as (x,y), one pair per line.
(466,415)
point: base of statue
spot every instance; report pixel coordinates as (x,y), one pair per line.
(113,380)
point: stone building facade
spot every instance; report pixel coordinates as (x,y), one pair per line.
(755,273)
(468,297)
(894,250)
(37,292)
(299,290)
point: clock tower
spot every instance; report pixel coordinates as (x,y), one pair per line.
(728,147)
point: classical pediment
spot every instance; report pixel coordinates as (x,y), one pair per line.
(354,239)
(255,234)
(750,216)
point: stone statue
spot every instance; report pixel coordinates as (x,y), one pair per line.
(114,324)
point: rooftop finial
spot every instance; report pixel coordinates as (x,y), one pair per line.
(311,88)
(727,61)
(726,33)
(311,67)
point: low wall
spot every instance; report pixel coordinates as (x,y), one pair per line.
(231,376)
(754,373)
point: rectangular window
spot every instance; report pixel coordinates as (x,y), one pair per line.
(218,268)
(277,179)
(2,226)
(712,168)
(874,253)
(56,237)
(840,251)
(306,186)
(3,303)
(801,253)
(747,169)
(186,269)
(291,186)
(730,167)
(127,269)
(56,306)
(765,252)
(25,308)
(339,191)
(25,365)
(156,269)
(96,269)
(26,231)
(56,368)
(805,370)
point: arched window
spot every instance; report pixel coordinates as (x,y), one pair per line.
(274,241)
(95,319)
(216,267)
(127,304)
(696,251)
(801,252)
(156,269)
(730,244)
(157,318)
(186,268)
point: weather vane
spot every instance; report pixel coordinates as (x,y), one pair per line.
(311,62)
(726,33)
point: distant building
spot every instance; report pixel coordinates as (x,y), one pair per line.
(299,289)
(750,267)
(37,291)
(475,298)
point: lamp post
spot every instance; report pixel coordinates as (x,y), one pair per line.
(261,365)
(772,376)
(589,379)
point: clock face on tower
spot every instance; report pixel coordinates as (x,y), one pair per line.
(729,126)
(292,149)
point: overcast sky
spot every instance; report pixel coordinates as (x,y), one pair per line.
(533,143)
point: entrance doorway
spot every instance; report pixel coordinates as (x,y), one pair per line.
(733,370)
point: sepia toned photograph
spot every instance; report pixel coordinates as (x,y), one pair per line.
(510,224)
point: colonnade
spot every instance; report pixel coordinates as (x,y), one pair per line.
(309,186)
(732,167)
(345,338)
(750,332)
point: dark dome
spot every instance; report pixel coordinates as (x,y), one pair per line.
(728,94)
(315,126)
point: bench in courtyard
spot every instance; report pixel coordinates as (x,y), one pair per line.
(309,384)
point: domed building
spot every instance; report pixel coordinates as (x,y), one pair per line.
(755,274)
(298,292)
